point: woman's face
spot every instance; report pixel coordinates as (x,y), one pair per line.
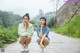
(42,22)
(25,19)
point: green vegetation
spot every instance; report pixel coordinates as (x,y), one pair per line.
(72,28)
(50,21)
(8,35)
(8,27)
(52,29)
(7,19)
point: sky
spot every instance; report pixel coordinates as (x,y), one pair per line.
(32,7)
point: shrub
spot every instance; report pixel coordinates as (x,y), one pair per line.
(8,35)
(72,28)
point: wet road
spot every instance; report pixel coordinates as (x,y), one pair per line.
(58,44)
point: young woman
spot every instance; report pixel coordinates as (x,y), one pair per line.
(25,31)
(42,32)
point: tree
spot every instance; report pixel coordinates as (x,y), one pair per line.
(7,18)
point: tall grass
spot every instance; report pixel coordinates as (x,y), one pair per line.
(72,28)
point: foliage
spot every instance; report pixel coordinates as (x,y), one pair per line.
(8,27)
(8,35)
(50,21)
(72,28)
(7,18)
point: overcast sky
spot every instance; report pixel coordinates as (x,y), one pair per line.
(28,6)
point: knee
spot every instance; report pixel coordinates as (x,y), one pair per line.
(39,39)
(22,39)
(29,37)
(46,41)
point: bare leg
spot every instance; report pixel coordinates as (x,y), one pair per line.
(39,40)
(22,40)
(28,40)
(45,41)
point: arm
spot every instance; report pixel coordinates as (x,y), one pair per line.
(41,33)
(21,30)
(31,30)
(43,38)
(44,35)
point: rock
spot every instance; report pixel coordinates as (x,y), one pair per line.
(66,11)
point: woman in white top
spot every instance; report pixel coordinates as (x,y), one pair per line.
(25,31)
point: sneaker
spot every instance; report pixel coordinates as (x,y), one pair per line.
(22,48)
(43,49)
(26,48)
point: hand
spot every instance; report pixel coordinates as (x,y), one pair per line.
(41,33)
(42,26)
(25,25)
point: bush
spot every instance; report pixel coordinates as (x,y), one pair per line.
(1,43)
(8,35)
(72,28)
(52,29)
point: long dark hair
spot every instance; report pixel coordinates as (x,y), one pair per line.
(44,19)
(27,16)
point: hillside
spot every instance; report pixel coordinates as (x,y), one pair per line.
(68,19)
(72,28)
(67,11)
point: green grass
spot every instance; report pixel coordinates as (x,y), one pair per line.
(72,28)
(52,29)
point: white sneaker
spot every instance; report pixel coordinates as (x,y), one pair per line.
(26,48)
(22,48)
(43,48)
